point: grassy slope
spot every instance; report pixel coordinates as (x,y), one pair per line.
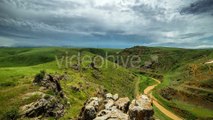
(144,83)
(16,81)
(159,115)
(173,64)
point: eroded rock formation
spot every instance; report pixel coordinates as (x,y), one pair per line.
(49,105)
(111,107)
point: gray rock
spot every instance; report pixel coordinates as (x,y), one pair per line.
(115,97)
(48,106)
(89,111)
(75,88)
(103,112)
(109,104)
(112,115)
(141,109)
(123,104)
(109,96)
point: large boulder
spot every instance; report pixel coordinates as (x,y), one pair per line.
(113,114)
(89,113)
(111,108)
(47,106)
(90,109)
(141,109)
(108,104)
(109,96)
(123,104)
(50,82)
(115,97)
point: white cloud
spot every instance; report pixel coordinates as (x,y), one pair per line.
(159,21)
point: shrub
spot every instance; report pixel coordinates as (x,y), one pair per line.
(39,77)
(7,84)
(11,114)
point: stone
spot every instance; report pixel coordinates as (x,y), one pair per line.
(109,96)
(141,109)
(115,97)
(89,111)
(120,109)
(112,115)
(103,112)
(76,89)
(109,104)
(47,106)
(123,104)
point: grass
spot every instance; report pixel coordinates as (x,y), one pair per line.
(186,110)
(18,67)
(174,64)
(195,110)
(12,97)
(145,82)
(159,115)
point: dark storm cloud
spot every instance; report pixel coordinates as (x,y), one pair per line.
(147,10)
(101,23)
(201,6)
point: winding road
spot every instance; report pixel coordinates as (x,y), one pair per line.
(168,113)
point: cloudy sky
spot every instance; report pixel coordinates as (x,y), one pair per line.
(107,23)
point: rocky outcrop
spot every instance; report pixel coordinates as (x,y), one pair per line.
(141,109)
(113,114)
(48,105)
(111,107)
(90,109)
(123,104)
(50,82)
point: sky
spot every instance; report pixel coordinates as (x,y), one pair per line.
(107,23)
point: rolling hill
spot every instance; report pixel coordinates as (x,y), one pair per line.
(186,76)
(18,66)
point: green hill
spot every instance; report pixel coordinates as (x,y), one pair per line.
(187,80)
(186,87)
(18,66)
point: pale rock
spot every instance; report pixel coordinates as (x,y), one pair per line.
(141,109)
(115,97)
(109,104)
(123,104)
(109,96)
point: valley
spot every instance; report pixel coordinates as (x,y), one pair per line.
(178,80)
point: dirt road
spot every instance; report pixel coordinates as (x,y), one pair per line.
(156,103)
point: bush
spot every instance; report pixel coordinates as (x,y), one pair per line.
(11,114)
(7,84)
(39,77)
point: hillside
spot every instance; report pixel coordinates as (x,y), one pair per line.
(187,78)
(185,74)
(18,67)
